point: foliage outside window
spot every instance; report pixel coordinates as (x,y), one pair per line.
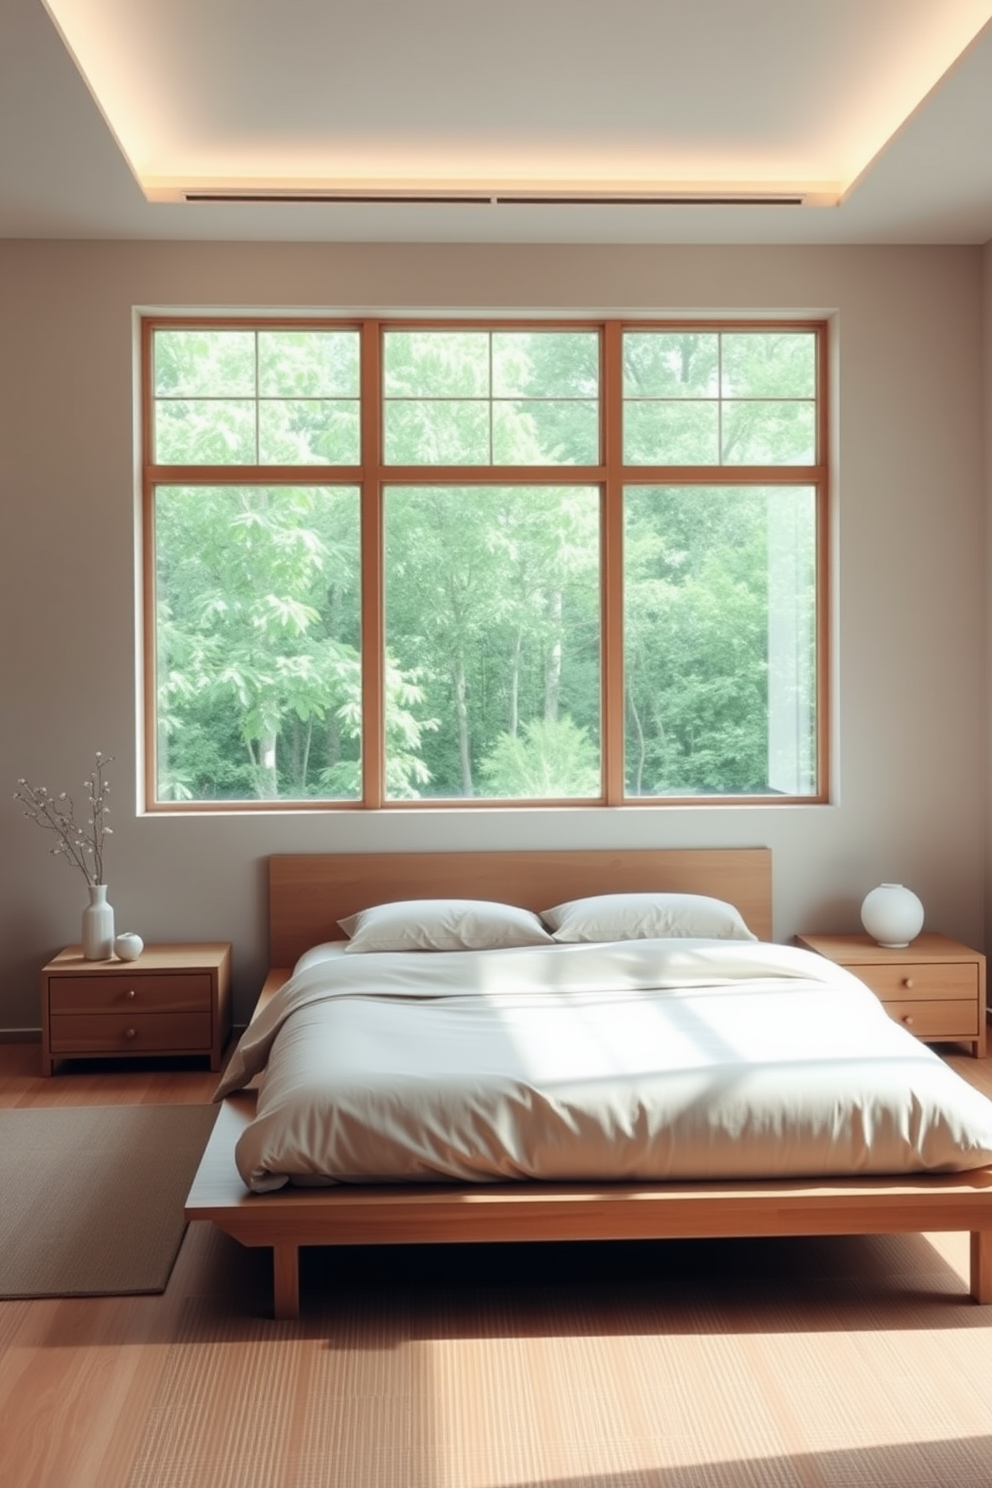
(396,563)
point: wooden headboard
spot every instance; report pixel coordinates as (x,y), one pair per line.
(310,892)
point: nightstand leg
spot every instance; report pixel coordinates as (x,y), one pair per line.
(981,1265)
(286,1281)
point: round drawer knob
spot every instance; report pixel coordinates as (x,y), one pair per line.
(907,982)
(131,992)
(130,1033)
(907,1019)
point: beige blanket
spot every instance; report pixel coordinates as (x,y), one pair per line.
(634,1061)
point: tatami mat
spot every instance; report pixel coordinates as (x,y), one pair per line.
(757,1364)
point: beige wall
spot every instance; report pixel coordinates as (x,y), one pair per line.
(909,619)
(986,320)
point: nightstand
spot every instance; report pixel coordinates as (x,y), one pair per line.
(174,999)
(935,987)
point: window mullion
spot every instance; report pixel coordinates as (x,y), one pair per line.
(611,395)
(373,630)
(492,452)
(258,408)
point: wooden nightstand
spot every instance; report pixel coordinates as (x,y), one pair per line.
(935,987)
(175,999)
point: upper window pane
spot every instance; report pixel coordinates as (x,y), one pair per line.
(669,364)
(546,364)
(308,364)
(762,364)
(266,397)
(687,431)
(769,433)
(204,363)
(491,397)
(437,431)
(436,364)
(726,397)
(205,431)
(308,431)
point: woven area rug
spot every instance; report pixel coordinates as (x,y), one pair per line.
(91,1198)
(845,1362)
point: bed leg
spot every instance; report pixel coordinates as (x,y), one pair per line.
(286,1281)
(981,1265)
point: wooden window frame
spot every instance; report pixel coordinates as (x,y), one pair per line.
(371,475)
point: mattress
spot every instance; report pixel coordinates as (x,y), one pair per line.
(634,1061)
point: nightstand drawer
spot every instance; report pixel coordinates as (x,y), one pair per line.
(140,992)
(936,1020)
(121,1033)
(922,982)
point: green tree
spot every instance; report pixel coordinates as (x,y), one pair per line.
(492,599)
(259,673)
(550,759)
(698,616)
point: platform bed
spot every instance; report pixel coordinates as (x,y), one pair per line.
(308,894)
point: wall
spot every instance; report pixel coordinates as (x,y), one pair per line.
(909,582)
(986,322)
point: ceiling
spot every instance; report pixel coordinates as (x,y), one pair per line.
(876,114)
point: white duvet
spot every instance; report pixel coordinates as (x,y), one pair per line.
(636,1061)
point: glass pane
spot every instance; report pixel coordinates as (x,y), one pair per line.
(671,433)
(441,432)
(205,432)
(307,432)
(720,641)
(768,364)
(436,364)
(204,363)
(545,364)
(769,434)
(308,364)
(550,418)
(258,678)
(670,364)
(546,433)
(493,618)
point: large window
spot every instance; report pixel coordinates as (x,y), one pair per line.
(391,563)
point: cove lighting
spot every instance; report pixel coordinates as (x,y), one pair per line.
(757,102)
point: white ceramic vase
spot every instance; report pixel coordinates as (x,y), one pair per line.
(98,926)
(128,946)
(892,915)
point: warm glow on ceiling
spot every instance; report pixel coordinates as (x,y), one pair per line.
(720,97)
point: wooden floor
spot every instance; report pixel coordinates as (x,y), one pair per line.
(724,1364)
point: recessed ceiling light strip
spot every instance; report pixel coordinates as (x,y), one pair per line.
(666,199)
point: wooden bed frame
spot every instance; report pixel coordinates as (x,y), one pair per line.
(308,894)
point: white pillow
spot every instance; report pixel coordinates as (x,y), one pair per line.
(443,925)
(644,917)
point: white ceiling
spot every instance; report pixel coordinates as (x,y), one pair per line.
(883,107)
